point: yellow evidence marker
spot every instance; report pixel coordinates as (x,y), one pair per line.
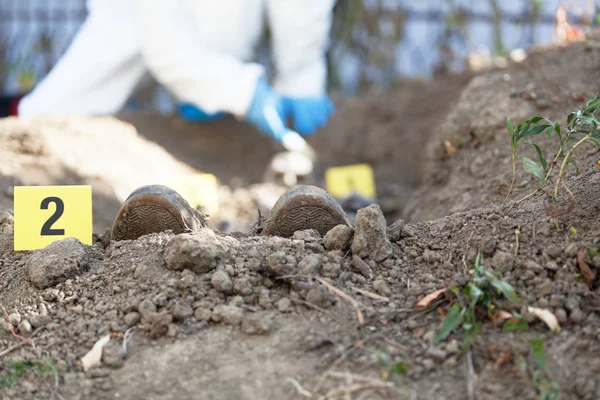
(199,190)
(45,214)
(346,180)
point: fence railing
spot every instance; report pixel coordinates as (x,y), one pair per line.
(373,41)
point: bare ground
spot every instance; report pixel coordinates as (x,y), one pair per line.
(255,317)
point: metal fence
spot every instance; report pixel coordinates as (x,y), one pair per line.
(373,41)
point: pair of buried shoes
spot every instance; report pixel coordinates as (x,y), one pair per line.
(157,208)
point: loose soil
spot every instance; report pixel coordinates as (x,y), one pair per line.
(224,313)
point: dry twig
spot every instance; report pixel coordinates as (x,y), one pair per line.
(299,387)
(371,295)
(337,292)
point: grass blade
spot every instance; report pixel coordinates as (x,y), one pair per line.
(453,320)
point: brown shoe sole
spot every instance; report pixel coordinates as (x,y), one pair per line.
(304,207)
(152,209)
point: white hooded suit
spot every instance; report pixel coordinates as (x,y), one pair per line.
(198,49)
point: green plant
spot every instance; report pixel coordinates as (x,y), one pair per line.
(582,126)
(541,377)
(390,366)
(13,370)
(479,294)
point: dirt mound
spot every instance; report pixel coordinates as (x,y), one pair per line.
(214,314)
(467,162)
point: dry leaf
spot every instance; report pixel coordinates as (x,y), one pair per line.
(503,315)
(94,356)
(546,316)
(450,149)
(588,275)
(430,298)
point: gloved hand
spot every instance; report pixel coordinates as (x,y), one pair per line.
(265,111)
(191,113)
(307,113)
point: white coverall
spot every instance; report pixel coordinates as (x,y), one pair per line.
(198,49)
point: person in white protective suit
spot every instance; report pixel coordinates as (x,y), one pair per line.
(201,52)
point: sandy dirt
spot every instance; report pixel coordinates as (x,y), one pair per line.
(226,314)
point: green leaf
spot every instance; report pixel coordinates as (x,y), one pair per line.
(510,127)
(515,325)
(571,117)
(398,368)
(474,294)
(453,320)
(539,355)
(504,287)
(534,168)
(540,155)
(593,252)
(592,105)
(534,120)
(536,130)
(571,161)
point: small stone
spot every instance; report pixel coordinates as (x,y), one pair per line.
(428,364)
(182,311)
(14,318)
(171,330)
(236,301)
(307,235)
(338,238)
(78,309)
(25,327)
(452,347)
(533,266)
(28,387)
(229,315)
(436,353)
(256,324)
(283,305)
(572,304)
(51,295)
(160,300)
(381,287)
(38,320)
(571,250)
(310,264)
(59,261)
(281,264)
(202,314)
(146,309)
(429,336)
(552,266)
(131,319)
(221,281)
(112,354)
(545,288)
(370,234)
(319,296)
(243,287)
(199,252)
(264,299)
(576,316)
(561,315)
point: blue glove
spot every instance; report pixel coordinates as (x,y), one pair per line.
(308,113)
(191,113)
(265,111)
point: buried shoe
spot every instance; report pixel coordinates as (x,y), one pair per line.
(304,207)
(153,209)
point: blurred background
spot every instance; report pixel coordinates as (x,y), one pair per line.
(374,42)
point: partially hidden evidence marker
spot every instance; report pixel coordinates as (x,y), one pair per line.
(346,180)
(45,214)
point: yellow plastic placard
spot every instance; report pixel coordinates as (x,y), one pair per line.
(346,180)
(200,190)
(45,214)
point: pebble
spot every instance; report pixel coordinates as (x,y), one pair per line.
(182,311)
(131,319)
(283,305)
(319,296)
(256,324)
(282,264)
(24,327)
(576,316)
(370,234)
(243,287)
(38,320)
(561,315)
(14,318)
(452,347)
(436,353)
(307,235)
(381,287)
(147,308)
(338,238)
(202,314)
(112,354)
(222,282)
(310,264)
(229,315)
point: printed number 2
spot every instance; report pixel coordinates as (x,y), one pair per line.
(60,208)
